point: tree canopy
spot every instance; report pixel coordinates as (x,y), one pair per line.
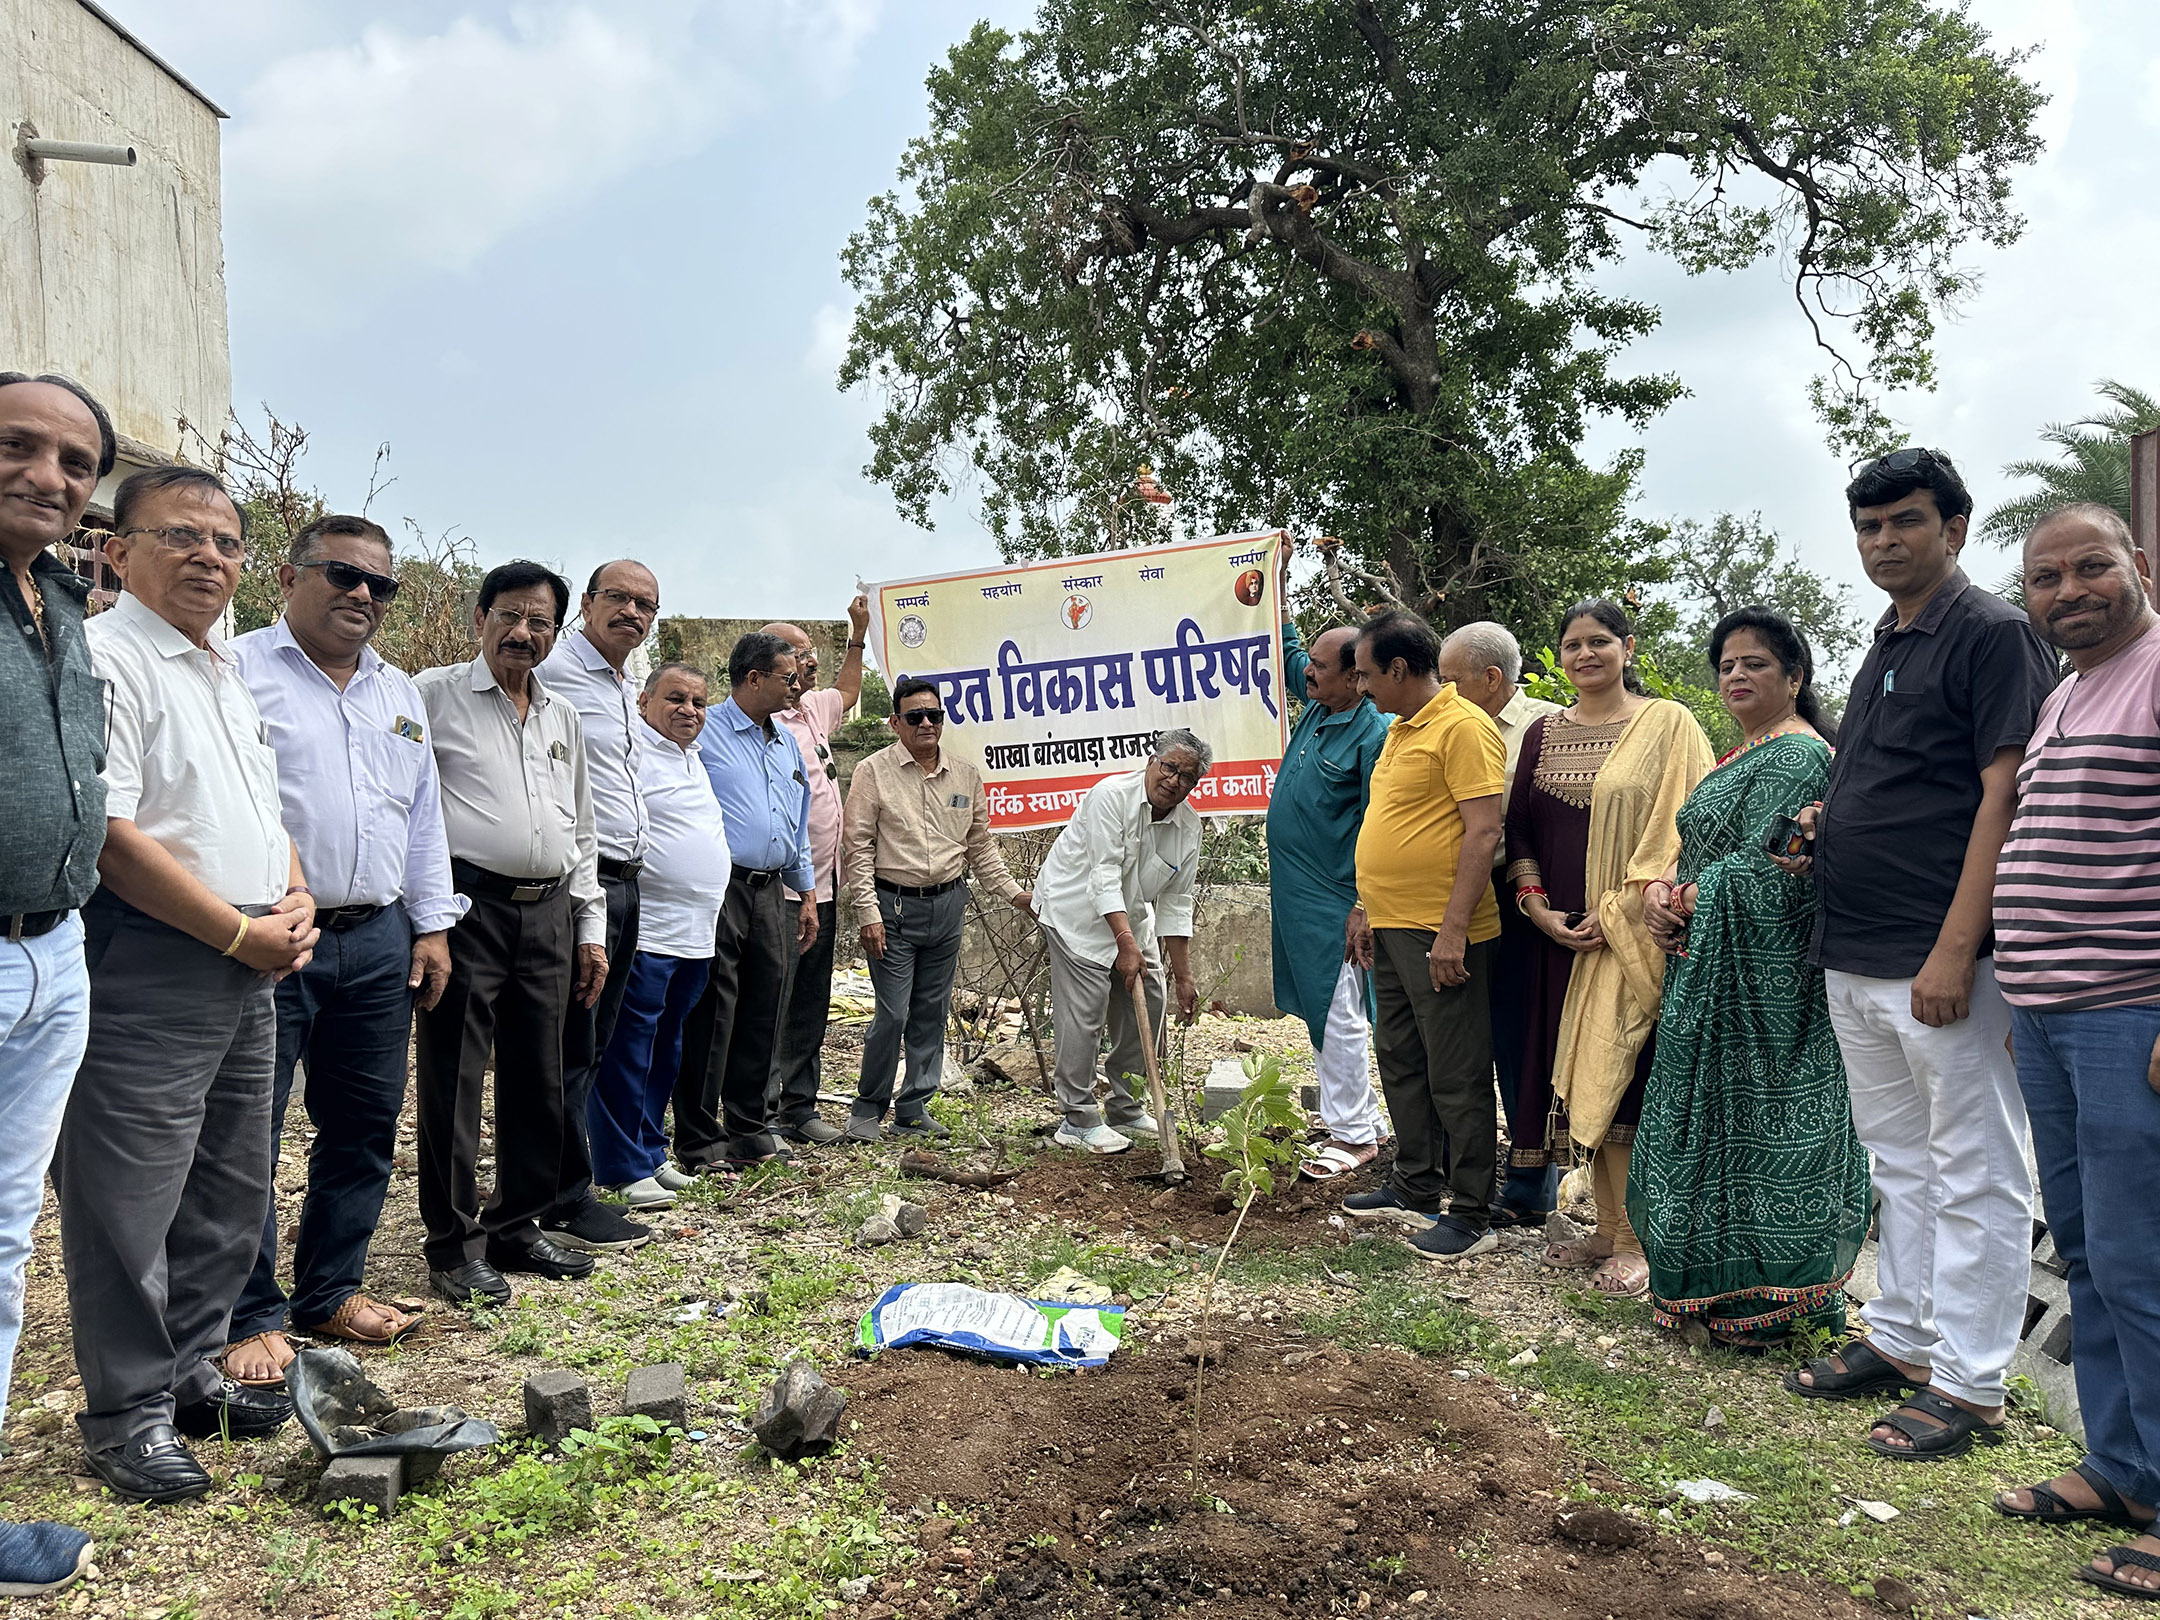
(2093,463)
(1333,264)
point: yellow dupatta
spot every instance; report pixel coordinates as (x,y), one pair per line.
(1612,995)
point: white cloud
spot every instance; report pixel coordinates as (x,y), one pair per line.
(829,328)
(356,166)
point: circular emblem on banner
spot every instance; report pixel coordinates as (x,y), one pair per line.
(1249,586)
(913,632)
(1077,611)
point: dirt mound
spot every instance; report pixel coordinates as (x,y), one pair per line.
(1337,1484)
(1126,1190)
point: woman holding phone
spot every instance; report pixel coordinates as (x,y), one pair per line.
(1749,1188)
(1589,824)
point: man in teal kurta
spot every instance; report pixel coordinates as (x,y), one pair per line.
(1313,818)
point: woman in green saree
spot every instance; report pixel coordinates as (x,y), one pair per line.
(1749,1189)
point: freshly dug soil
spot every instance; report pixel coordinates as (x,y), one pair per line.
(1353,1485)
(1126,1190)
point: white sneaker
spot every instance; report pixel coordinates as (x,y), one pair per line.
(1143,1126)
(645,1194)
(1096,1139)
(672,1179)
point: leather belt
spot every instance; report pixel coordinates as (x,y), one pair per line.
(523,891)
(907,892)
(23,925)
(337,919)
(621,871)
(755,878)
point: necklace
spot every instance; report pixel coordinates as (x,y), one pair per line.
(1778,728)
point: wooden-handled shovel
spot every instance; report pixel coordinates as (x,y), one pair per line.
(1173,1162)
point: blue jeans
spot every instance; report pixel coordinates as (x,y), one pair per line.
(2096,1138)
(348,1013)
(44,1023)
(630,1090)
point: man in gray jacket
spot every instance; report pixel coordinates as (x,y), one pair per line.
(55,444)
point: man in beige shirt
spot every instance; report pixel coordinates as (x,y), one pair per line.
(1485,663)
(916,821)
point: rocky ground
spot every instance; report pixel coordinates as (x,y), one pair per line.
(1476,1441)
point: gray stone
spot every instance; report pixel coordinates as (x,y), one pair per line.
(1559,1229)
(420,1466)
(660,1393)
(800,1414)
(371,1481)
(875,1233)
(2043,1354)
(907,1219)
(555,1403)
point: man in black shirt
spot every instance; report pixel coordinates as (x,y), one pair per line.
(55,444)
(1907,840)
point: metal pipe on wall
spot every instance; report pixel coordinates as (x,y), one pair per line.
(79,152)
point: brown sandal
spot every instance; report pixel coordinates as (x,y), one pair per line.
(341,1323)
(271,1340)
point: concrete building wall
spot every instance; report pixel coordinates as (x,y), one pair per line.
(114,276)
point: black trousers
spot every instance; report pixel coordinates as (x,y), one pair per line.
(586,1032)
(730,1035)
(792,1096)
(1436,1071)
(511,968)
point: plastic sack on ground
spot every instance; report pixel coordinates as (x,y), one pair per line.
(1004,1327)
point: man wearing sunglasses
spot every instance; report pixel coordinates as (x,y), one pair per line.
(164,1161)
(361,800)
(813,717)
(917,821)
(618,611)
(1906,844)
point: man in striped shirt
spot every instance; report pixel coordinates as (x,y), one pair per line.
(2077,923)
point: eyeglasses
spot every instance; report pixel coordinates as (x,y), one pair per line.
(343,576)
(538,623)
(1177,773)
(179,537)
(924,717)
(622,599)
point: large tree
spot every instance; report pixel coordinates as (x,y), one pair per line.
(1334,263)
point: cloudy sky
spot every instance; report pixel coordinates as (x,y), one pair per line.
(577,265)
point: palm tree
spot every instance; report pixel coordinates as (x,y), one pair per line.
(2095,463)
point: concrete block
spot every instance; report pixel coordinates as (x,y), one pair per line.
(2043,1352)
(800,1415)
(1223,1089)
(1308,1096)
(661,1393)
(421,1466)
(371,1481)
(555,1403)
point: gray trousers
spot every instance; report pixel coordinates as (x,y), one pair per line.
(163,1167)
(913,980)
(1087,1000)
(1436,1071)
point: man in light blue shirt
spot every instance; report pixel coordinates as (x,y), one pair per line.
(360,796)
(721,1113)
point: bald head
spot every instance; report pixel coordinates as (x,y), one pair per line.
(806,656)
(1331,670)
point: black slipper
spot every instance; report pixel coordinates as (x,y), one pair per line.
(2119,1556)
(1954,1437)
(1865,1373)
(2049,1507)
(1505,1215)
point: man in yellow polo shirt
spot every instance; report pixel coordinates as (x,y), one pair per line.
(1425,923)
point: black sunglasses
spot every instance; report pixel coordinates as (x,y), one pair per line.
(924,717)
(1902,461)
(343,576)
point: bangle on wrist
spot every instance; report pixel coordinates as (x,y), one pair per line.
(301,888)
(1523,894)
(239,938)
(858,644)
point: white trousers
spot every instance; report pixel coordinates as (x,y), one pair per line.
(1940,1111)
(1348,1107)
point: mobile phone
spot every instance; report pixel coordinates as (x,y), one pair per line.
(1788,840)
(1573,919)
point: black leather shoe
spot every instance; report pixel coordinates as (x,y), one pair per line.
(460,1284)
(152,1466)
(541,1258)
(235,1412)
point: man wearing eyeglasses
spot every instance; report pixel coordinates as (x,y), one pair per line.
(1118,880)
(517,805)
(56,442)
(361,799)
(722,1117)
(917,821)
(620,605)
(164,1160)
(813,717)
(1906,844)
